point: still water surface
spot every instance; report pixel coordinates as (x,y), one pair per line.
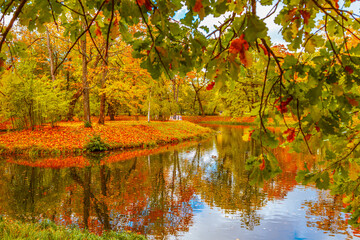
(190,191)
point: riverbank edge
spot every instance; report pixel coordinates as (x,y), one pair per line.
(194,132)
(13,229)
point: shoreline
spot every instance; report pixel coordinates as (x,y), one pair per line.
(73,137)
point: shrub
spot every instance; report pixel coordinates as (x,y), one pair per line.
(87,124)
(96,144)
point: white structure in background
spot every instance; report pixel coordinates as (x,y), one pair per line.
(175,118)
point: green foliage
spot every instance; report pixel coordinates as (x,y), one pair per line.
(87,124)
(29,100)
(262,168)
(96,144)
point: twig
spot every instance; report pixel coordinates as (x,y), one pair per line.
(327,14)
(53,15)
(263,93)
(153,40)
(15,16)
(62,4)
(78,38)
(331,44)
(91,37)
(300,127)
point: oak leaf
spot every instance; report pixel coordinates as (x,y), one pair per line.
(198,6)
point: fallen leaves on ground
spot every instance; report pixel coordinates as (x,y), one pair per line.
(72,136)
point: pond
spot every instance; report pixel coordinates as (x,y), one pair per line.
(196,190)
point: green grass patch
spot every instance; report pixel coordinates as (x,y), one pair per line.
(229,123)
(10,230)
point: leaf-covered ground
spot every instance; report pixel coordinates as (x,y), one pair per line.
(73,136)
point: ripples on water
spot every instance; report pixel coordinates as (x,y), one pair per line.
(192,191)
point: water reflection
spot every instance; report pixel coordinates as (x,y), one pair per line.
(195,191)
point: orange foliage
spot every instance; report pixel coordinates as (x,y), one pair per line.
(241,46)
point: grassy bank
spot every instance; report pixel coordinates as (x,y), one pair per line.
(49,230)
(70,137)
(220,120)
(239,121)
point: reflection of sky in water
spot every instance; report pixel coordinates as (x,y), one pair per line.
(197,205)
(280,219)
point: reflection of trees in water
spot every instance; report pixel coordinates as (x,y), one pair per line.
(167,209)
(28,193)
(285,182)
(224,182)
(325,214)
(149,195)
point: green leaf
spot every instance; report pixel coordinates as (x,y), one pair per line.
(256,28)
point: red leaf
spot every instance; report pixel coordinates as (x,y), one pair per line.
(262,165)
(282,106)
(306,15)
(349,69)
(317,128)
(353,102)
(140,2)
(308,136)
(291,134)
(147,4)
(210,86)
(239,45)
(98,32)
(198,6)
(250,133)
(264,49)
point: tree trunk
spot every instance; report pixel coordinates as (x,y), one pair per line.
(105,71)
(149,108)
(103,95)
(213,113)
(111,112)
(105,209)
(75,97)
(51,55)
(87,196)
(86,94)
(200,104)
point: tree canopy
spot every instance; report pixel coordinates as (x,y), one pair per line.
(314,80)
